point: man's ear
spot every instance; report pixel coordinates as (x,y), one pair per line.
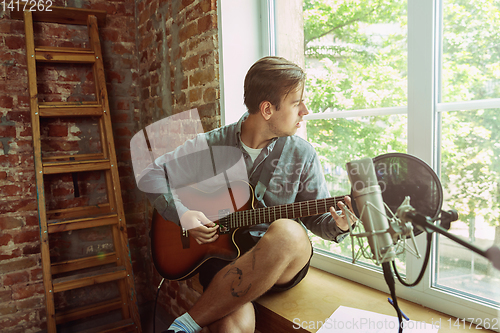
(266,109)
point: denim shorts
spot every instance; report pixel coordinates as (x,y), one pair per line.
(246,241)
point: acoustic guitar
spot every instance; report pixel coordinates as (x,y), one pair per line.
(177,256)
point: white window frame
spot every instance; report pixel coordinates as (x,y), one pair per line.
(424,113)
(246,33)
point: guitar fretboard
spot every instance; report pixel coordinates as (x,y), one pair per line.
(269,214)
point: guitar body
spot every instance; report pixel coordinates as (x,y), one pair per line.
(176,255)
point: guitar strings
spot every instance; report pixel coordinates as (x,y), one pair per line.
(293,209)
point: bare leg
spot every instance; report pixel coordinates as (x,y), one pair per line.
(238,321)
(276,259)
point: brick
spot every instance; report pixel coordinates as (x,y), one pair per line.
(36,274)
(191,63)
(186,3)
(207,23)
(195,95)
(15,42)
(14,253)
(15,278)
(202,77)
(123,131)
(22,291)
(5,26)
(16,205)
(114,77)
(143,17)
(10,222)
(5,239)
(210,58)
(57,130)
(109,35)
(27,236)
(23,101)
(32,220)
(32,248)
(210,95)
(187,32)
(5,295)
(10,190)
(6,102)
(121,48)
(123,105)
(17,265)
(7,309)
(26,132)
(61,192)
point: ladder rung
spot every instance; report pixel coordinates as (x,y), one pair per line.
(86,311)
(88,279)
(77,212)
(69,110)
(83,223)
(82,263)
(75,157)
(65,55)
(122,326)
(75,166)
(60,14)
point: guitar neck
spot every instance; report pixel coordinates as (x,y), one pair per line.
(248,218)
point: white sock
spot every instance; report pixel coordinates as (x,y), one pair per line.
(185,323)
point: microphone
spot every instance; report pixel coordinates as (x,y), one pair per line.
(368,197)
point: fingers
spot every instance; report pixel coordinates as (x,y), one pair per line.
(348,201)
(205,234)
(335,215)
(340,219)
(204,220)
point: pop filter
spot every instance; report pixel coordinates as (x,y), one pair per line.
(400,175)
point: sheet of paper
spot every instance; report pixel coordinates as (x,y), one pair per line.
(350,320)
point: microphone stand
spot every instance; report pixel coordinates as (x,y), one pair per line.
(389,279)
(427,225)
(425,222)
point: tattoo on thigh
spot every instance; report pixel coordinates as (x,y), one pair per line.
(240,293)
(236,291)
(234,270)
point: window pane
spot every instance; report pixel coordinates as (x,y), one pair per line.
(470,175)
(356,54)
(338,141)
(471,56)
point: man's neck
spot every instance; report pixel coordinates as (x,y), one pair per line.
(254,132)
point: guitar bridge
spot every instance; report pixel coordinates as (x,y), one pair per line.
(184,238)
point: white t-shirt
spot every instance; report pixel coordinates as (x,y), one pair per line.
(251,151)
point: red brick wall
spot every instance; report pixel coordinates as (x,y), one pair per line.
(178,70)
(161,58)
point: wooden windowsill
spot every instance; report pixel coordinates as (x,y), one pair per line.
(314,299)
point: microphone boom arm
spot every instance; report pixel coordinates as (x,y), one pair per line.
(425,222)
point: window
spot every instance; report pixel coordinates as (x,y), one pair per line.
(420,77)
(470,145)
(355,57)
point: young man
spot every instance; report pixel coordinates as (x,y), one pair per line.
(276,257)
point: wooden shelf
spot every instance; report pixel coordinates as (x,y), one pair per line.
(82,223)
(88,279)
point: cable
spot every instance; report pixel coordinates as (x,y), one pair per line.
(422,270)
(389,279)
(156,301)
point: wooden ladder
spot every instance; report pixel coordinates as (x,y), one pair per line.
(111,213)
